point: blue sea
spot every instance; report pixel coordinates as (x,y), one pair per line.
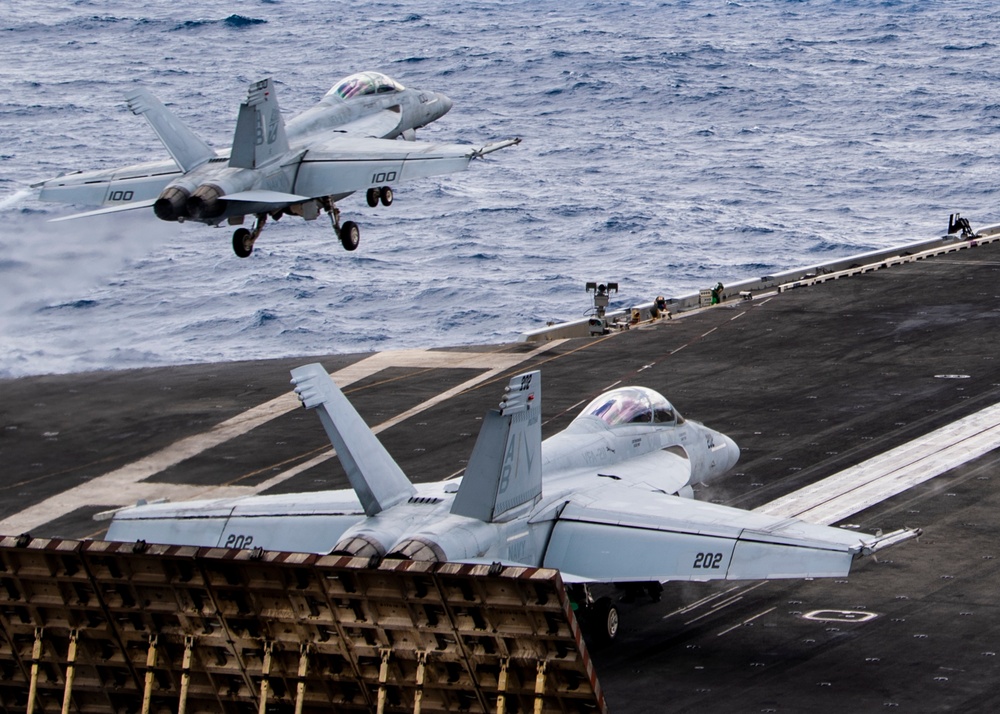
(666,146)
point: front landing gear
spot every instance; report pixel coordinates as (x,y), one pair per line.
(243,239)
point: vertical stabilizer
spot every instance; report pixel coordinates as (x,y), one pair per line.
(505,468)
(375,477)
(183,146)
(260,129)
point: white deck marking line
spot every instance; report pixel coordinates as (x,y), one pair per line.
(856,488)
(719,606)
(703,615)
(698,603)
(746,622)
(122,486)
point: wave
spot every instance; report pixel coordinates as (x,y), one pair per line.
(238,22)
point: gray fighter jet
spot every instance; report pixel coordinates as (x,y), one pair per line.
(603,501)
(341,145)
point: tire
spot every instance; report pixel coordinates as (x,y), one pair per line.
(604,621)
(372,196)
(386,196)
(242,244)
(350,235)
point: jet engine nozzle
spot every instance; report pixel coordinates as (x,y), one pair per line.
(172,204)
(205,202)
(359,546)
(418,549)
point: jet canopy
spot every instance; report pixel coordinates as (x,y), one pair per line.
(632,405)
(364,83)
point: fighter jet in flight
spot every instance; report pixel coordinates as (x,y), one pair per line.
(341,145)
(607,500)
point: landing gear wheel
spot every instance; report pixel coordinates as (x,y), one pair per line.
(604,621)
(242,242)
(386,196)
(350,235)
(372,196)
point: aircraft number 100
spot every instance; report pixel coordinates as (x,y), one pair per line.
(384,177)
(708,561)
(121,195)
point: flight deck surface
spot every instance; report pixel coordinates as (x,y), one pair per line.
(809,382)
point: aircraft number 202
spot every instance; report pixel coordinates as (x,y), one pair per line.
(708,560)
(239,541)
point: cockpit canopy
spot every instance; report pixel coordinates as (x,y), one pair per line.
(632,405)
(364,83)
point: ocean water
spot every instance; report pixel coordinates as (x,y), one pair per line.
(666,146)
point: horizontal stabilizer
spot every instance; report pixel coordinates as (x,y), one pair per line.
(101,211)
(183,146)
(261,196)
(374,475)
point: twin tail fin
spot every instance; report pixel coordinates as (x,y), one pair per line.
(505,468)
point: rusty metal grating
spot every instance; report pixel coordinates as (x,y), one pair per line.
(99,627)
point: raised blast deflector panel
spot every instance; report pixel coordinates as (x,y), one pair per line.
(223,630)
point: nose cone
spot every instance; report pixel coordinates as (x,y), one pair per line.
(446,104)
(732,453)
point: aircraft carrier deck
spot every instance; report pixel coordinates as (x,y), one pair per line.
(808,381)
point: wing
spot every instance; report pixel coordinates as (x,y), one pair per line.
(347,164)
(112,187)
(298,522)
(623,533)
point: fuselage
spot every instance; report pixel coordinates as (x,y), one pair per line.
(378,107)
(608,444)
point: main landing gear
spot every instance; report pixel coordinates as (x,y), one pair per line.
(243,239)
(348,231)
(376,195)
(599,618)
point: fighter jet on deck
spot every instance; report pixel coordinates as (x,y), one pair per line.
(608,499)
(341,145)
